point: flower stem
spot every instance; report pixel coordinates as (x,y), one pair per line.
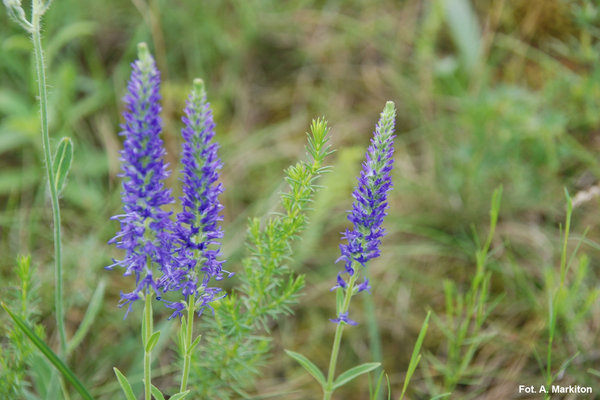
(328,389)
(187,360)
(374,335)
(147,354)
(37,12)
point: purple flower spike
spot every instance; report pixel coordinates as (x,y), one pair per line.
(198,229)
(370,203)
(145,233)
(370,196)
(344,318)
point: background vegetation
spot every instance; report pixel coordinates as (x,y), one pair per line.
(488,93)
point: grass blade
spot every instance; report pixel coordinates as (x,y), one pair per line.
(89,317)
(50,355)
(465,31)
(416,356)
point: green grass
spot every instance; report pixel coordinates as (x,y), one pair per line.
(522,112)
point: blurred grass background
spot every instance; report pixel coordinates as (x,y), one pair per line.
(488,93)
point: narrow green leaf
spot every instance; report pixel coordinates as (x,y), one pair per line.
(441,396)
(42,376)
(374,395)
(181,335)
(156,393)
(180,396)
(196,342)
(416,356)
(89,317)
(352,373)
(389,387)
(594,372)
(308,366)
(125,385)
(183,325)
(152,341)
(339,299)
(464,30)
(62,162)
(50,355)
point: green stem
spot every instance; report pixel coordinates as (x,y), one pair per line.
(328,389)
(374,335)
(41,75)
(147,354)
(63,387)
(554,300)
(188,343)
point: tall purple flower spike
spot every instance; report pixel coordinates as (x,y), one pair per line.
(146,230)
(198,229)
(370,202)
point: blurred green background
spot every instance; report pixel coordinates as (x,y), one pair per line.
(488,93)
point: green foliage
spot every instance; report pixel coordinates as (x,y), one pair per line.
(48,353)
(157,394)
(354,372)
(465,316)
(234,347)
(416,356)
(309,366)
(125,385)
(566,292)
(527,118)
(94,307)
(16,12)
(152,340)
(375,390)
(15,356)
(465,31)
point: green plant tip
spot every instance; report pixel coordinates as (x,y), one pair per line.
(143,52)
(390,107)
(198,84)
(198,89)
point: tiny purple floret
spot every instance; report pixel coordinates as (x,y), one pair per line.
(343,317)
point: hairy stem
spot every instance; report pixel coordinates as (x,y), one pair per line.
(328,389)
(41,75)
(374,335)
(187,360)
(147,354)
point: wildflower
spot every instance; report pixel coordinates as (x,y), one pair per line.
(340,283)
(145,233)
(198,229)
(370,202)
(343,317)
(364,286)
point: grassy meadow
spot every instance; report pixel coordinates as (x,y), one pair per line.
(494,218)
